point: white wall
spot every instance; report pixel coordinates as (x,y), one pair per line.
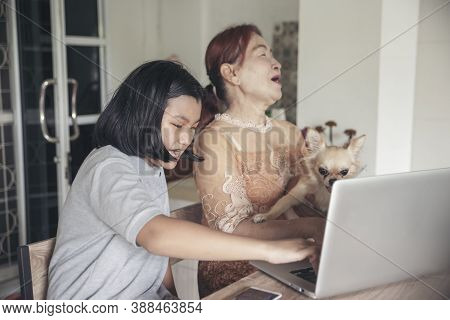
(132,36)
(396,85)
(334,35)
(431,137)
(189,25)
(181,27)
(398,96)
(140,30)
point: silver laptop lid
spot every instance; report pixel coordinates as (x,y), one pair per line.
(384,229)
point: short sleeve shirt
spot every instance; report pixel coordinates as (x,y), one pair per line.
(96,255)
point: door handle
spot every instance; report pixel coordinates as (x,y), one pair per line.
(73,109)
(45,84)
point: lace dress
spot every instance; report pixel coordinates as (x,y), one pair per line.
(245,171)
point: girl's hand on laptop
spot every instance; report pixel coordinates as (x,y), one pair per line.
(315,258)
(292,250)
(318,230)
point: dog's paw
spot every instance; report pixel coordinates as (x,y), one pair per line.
(259,218)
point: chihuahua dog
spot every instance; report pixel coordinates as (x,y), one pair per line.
(320,167)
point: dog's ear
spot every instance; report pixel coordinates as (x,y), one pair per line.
(314,142)
(356,145)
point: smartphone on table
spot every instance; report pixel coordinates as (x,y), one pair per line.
(254,293)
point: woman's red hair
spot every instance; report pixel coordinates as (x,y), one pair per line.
(229,46)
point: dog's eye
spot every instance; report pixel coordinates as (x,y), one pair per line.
(344,172)
(323,171)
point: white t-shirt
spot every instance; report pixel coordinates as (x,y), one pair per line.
(96,256)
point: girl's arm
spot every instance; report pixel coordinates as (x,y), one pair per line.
(186,240)
(310,227)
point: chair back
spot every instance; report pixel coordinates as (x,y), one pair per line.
(33,260)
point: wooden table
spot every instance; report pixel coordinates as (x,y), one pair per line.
(408,289)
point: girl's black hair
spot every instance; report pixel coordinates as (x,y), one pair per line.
(131,122)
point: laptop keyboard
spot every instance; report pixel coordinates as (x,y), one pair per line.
(307,274)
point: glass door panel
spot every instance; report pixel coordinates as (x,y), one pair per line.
(9,232)
(9,222)
(35,59)
(88,25)
(57,62)
(83,66)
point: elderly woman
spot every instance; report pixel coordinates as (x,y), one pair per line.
(249,159)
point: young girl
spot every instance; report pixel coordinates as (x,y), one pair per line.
(115,234)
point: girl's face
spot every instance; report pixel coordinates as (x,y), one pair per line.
(260,73)
(178,125)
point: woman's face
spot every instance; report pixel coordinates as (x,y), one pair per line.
(260,73)
(178,125)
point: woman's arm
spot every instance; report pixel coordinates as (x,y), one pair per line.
(186,240)
(228,209)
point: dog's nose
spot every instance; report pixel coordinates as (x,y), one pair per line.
(332,181)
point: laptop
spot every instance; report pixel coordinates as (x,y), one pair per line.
(379,230)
